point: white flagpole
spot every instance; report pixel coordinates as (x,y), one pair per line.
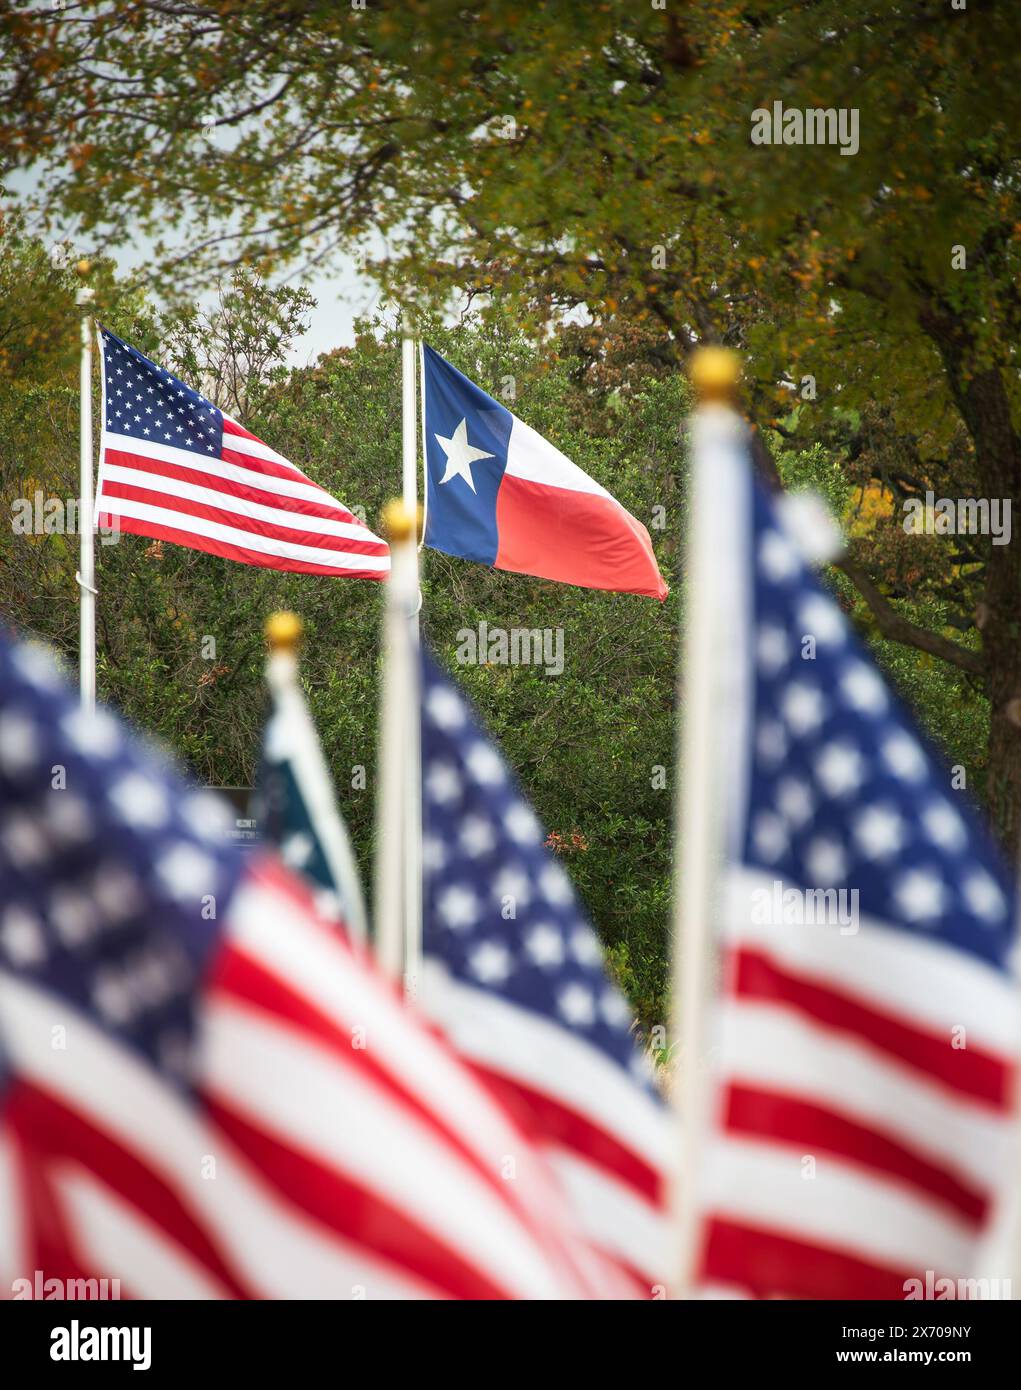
(412,944)
(86,575)
(424,461)
(409,423)
(398,775)
(697,808)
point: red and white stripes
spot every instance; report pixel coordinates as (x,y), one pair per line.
(864,1109)
(250,504)
(606,1140)
(340,1149)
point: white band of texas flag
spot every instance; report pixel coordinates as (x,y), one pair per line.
(498,493)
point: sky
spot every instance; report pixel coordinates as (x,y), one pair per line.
(342,294)
(341,291)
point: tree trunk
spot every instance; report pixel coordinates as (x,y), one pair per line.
(999,469)
(981,397)
(1003,786)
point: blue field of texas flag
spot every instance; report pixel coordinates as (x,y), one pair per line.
(498,493)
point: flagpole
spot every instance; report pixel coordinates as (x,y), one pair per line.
(697,826)
(397,928)
(424,459)
(412,947)
(409,422)
(86,575)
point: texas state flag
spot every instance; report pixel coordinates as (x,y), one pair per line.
(499,493)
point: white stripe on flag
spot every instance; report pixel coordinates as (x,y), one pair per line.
(770,1046)
(279,1252)
(535,459)
(217,467)
(267,926)
(617,1219)
(117,1241)
(764,1184)
(550,1059)
(245,444)
(251,1063)
(875,962)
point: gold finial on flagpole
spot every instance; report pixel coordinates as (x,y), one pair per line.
(715,373)
(85,294)
(283,631)
(400,522)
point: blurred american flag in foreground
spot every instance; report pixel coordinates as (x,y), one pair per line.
(205,1091)
(861,1119)
(515,975)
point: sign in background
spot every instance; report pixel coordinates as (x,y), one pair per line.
(246,827)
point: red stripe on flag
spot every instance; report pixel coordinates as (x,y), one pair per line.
(788,1120)
(971,1071)
(771,1265)
(47,1245)
(230,487)
(548,1120)
(234,451)
(285,530)
(53,1130)
(340,1204)
(242,977)
(267,467)
(233,428)
(582,538)
(191,541)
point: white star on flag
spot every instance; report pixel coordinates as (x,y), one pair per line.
(460,455)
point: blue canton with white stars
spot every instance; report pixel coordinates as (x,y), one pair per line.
(462,421)
(115,875)
(483,848)
(845,792)
(150,404)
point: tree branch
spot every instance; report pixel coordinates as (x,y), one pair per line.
(896,628)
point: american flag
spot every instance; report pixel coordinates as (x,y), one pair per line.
(175,467)
(514,974)
(863,1044)
(205,1091)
